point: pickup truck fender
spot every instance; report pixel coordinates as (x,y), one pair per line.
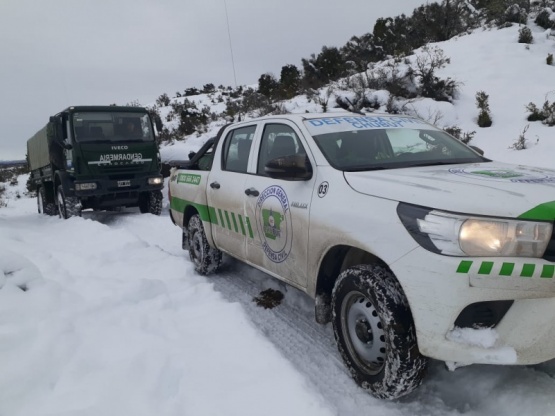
(190,199)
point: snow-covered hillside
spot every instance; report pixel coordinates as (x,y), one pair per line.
(104,315)
(491,60)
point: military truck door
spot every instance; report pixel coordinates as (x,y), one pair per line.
(225,192)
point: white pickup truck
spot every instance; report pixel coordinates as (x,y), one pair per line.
(411,243)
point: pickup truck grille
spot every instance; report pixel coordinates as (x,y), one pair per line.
(121,169)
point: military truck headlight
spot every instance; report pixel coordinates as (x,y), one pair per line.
(154,181)
(85,186)
(465,235)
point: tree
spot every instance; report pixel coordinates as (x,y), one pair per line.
(268,85)
(290,81)
(320,70)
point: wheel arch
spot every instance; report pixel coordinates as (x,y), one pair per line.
(188,212)
(62,178)
(337,259)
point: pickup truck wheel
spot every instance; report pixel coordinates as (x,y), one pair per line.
(69,206)
(375,332)
(151,203)
(43,206)
(205,258)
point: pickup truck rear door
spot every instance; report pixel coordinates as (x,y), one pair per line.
(280,208)
(225,191)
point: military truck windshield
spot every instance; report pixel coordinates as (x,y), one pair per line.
(112,127)
(375,149)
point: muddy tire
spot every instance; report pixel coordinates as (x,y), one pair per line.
(68,206)
(151,203)
(205,258)
(375,333)
(43,206)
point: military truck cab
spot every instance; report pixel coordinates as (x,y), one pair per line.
(96,157)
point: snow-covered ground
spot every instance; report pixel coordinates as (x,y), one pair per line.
(104,315)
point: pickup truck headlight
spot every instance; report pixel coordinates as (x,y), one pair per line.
(465,235)
(154,181)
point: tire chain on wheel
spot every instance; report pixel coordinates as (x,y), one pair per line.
(404,366)
(155,202)
(71,205)
(48,208)
(212,257)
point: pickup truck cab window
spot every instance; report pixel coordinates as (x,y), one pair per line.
(237,147)
(278,140)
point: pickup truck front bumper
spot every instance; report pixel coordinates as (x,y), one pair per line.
(516,297)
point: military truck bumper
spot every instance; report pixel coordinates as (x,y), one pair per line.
(104,193)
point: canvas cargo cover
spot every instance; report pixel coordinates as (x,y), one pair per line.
(37,149)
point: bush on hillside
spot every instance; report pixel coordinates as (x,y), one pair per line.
(268,86)
(457,133)
(424,69)
(549,59)
(546,114)
(289,81)
(321,69)
(543,20)
(484,118)
(521,142)
(525,35)
(163,100)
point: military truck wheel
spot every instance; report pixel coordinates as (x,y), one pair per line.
(205,258)
(375,332)
(151,202)
(69,206)
(43,206)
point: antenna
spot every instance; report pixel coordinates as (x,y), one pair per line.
(230,47)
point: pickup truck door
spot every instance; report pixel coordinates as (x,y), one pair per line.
(280,208)
(225,192)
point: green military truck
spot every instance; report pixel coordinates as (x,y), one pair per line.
(96,157)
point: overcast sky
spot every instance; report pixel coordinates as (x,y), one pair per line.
(59,53)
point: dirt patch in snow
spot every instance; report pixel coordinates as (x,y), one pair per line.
(269,298)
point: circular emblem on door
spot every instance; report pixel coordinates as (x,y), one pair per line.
(273,220)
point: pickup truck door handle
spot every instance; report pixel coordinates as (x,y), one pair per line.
(252,192)
(215,185)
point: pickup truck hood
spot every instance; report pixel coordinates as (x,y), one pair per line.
(493,189)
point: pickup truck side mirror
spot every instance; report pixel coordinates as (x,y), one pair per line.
(291,168)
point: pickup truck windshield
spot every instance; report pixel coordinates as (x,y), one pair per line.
(375,149)
(112,127)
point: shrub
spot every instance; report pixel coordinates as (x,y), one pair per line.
(458,134)
(520,143)
(424,68)
(163,100)
(525,35)
(546,114)
(289,82)
(549,59)
(208,88)
(543,20)
(484,118)
(268,86)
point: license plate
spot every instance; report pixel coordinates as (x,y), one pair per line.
(124,183)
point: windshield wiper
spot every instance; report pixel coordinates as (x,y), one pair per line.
(365,168)
(441,162)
